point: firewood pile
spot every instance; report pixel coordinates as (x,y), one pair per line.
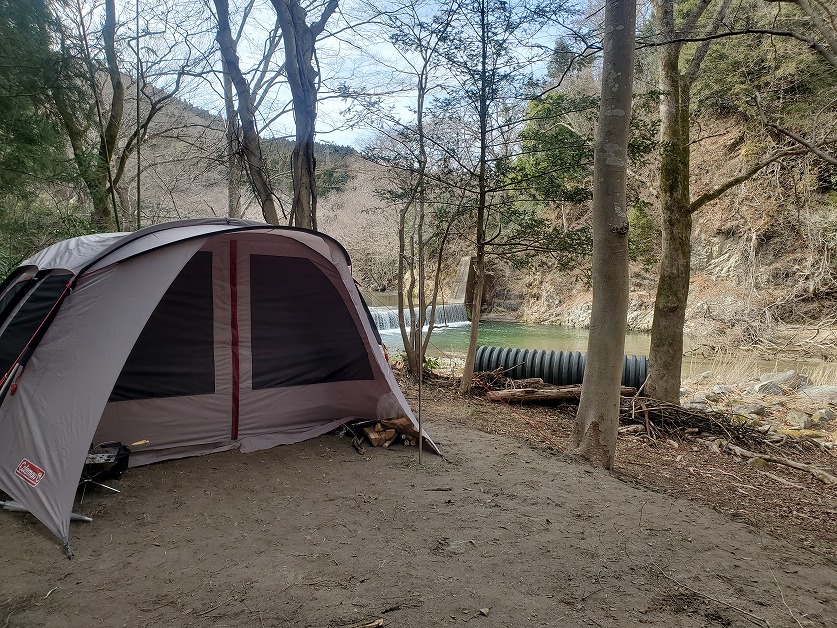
(388,431)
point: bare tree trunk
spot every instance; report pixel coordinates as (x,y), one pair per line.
(666,352)
(234,166)
(407,331)
(300,40)
(476,311)
(482,205)
(437,278)
(250,136)
(597,422)
(675,80)
(102,217)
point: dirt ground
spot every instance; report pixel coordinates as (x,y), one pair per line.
(503,531)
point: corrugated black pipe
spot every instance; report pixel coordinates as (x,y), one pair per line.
(553,367)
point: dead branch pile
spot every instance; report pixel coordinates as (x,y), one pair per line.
(484,381)
(721,432)
(488,382)
(652,419)
(668,420)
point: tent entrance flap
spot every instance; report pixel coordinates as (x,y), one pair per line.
(174,355)
(302,332)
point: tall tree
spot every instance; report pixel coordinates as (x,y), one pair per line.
(415,32)
(92,102)
(246,110)
(488,62)
(96,171)
(35,169)
(32,143)
(597,421)
(678,68)
(303,78)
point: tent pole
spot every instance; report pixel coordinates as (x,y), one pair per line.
(139,127)
(421,374)
(421,314)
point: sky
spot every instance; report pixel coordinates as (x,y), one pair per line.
(356,57)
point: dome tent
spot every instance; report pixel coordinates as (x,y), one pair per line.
(196,336)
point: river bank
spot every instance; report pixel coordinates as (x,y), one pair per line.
(724,314)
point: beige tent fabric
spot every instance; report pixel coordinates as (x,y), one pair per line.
(60,405)
(51,418)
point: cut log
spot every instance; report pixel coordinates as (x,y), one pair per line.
(390,436)
(380,436)
(545,394)
(402,425)
(375,438)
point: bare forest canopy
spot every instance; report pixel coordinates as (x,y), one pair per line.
(464,139)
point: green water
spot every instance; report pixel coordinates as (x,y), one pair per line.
(454,339)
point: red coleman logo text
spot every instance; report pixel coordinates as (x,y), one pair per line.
(29,472)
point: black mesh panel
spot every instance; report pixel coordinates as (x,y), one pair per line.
(29,317)
(302,332)
(174,355)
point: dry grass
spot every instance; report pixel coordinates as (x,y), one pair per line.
(724,364)
(823,374)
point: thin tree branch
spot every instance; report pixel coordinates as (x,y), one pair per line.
(803,142)
(703,199)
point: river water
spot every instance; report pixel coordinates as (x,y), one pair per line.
(452,339)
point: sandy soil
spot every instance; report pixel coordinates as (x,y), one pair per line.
(500,533)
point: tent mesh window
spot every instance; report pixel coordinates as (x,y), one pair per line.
(29,315)
(12,295)
(302,330)
(174,355)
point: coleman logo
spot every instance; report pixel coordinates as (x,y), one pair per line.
(29,472)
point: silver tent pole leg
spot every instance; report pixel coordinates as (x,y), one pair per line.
(421,379)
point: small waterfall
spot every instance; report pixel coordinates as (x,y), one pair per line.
(386,318)
(449,313)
